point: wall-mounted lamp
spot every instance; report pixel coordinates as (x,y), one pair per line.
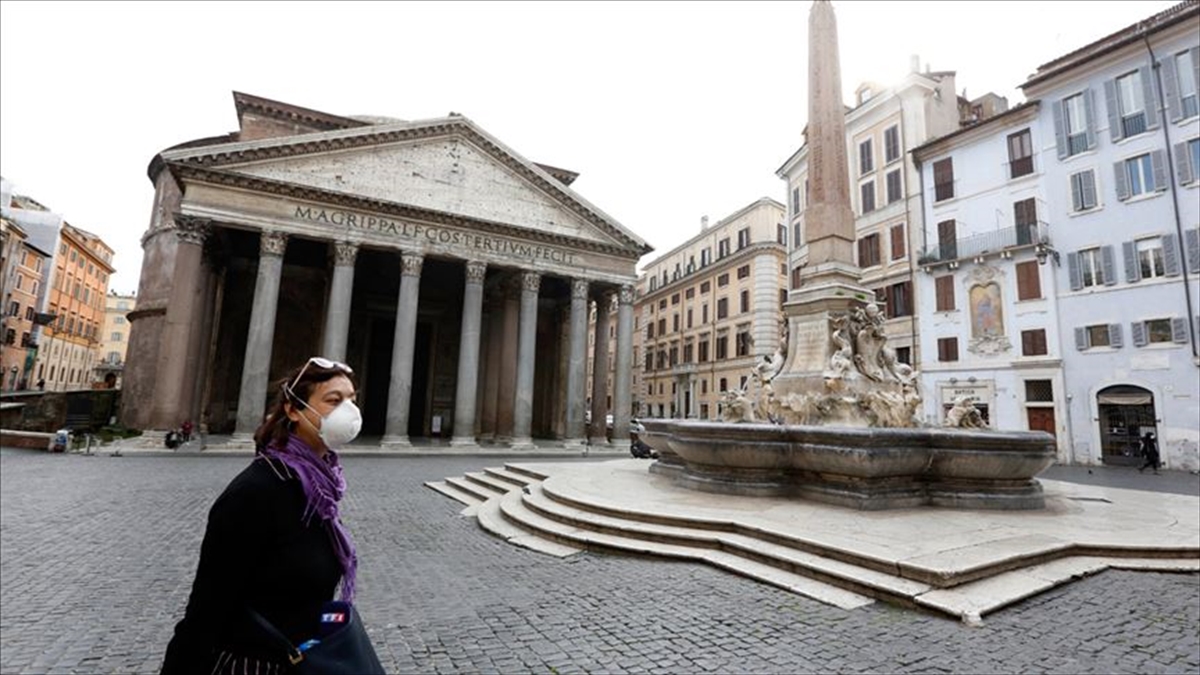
(1043,251)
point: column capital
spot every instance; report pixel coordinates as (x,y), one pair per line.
(476,271)
(411,263)
(531,281)
(579,289)
(272,243)
(344,253)
(192,230)
(625,294)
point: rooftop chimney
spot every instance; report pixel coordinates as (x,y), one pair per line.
(703,223)
(914,64)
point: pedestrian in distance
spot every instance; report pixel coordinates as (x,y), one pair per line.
(274,543)
(1149,452)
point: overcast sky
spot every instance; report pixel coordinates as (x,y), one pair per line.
(669,111)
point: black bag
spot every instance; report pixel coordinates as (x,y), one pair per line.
(348,651)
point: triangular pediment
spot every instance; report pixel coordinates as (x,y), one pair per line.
(451,169)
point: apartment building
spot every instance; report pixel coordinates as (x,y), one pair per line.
(882,128)
(114,339)
(986,284)
(708,309)
(22,275)
(1119,160)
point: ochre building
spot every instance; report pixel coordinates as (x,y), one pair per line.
(452,274)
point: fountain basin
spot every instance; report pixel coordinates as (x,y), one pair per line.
(863,468)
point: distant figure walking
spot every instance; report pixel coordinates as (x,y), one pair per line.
(1150,452)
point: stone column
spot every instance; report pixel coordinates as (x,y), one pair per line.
(507,386)
(577,365)
(337,315)
(526,359)
(468,356)
(491,372)
(178,368)
(596,432)
(395,433)
(693,404)
(623,366)
(256,368)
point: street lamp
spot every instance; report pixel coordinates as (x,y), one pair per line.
(1043,251)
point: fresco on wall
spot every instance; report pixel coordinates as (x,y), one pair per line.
(987,311)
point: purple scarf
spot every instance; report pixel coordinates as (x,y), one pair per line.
(323,486)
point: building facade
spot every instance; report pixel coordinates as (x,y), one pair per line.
(709,309)
(114,339)
(882,128)
(451,273)
(22,274)
(1120,166)
(986,288)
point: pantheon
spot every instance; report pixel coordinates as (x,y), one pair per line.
(457,278)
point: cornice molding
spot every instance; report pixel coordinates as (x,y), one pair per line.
(330,198)
(717,266)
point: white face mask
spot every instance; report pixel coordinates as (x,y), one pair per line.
(340,426)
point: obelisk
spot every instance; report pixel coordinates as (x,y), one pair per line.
(832,286)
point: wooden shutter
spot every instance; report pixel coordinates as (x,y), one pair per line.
(1089,189)
(1029,286)
(1077,191)
(1060,131)
(1138,330)
(944,287)
(1170,91)
(947,240)
(1122,181)
(1183,163)
(1179,330)
(1027,343)
(898,243)
(1114,111)
(1109,264)
(1081,339)
(1158,160)
(862,252)
(1191,241)
(1074,272)
(1148,97)
(1171,258)
(1133,271)
(1116,338)
(1088,111)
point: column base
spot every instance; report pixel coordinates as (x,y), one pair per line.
(525,443)
(464,442)
(575,444)
(395,443)
(598,442)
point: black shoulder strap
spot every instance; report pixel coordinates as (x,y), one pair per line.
(281,470)
(277,639)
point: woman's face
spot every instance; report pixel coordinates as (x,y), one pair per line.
(324,397)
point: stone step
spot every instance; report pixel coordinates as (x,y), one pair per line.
(468,498)
(515,479)
(481,493)
(824,568)
(526,470)
(487,482)
(492,520)
(516,510)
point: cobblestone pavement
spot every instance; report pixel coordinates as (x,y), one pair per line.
(98,555)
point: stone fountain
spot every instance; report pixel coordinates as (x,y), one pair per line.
(832,416)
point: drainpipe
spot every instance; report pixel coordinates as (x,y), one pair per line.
(912,281)
(1166,124)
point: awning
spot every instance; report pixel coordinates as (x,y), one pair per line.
(1124,398)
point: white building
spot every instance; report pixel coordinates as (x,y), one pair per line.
(987,292)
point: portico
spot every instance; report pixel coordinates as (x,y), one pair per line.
(439,264)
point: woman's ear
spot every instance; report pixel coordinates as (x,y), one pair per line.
(291,412)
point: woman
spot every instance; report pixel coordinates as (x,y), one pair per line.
(274,542)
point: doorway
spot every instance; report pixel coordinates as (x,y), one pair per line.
(1126,413)
(1041,419)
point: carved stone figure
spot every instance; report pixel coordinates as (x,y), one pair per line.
(842,359)
(737,407)
(964,414)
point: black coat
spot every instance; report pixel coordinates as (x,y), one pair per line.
(256,552)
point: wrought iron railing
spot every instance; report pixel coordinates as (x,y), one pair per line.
(987,242)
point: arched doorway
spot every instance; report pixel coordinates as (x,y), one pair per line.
(1126,412)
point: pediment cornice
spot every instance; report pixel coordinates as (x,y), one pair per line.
(224,178)
(232,154)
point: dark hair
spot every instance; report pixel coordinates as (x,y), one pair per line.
(277,428)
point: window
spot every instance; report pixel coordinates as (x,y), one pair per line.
(947,240)
(1135,176)
(723,248)
(1150,258)
(743,271)
(705,287)
(745,302)
(73,255)
(688,352)
(947,349)
(1083,190)
(1159,331)
(891,144)
(1029,282)
(796,272)
(1076,113)
(724,385)
(781,234)
(722,308)
(945,293)
(898,241)
(1088,267)
(1130,104)
(722,350)
(662,327)
(943,179)
(1020,154)
(675,323)
(689,318)
(1187,161)
(743,342)
(703,348)
(795,200)
(14,308)
(649,361)
(867,193)
(894,190)
(116,337)
(674,355)
(1185,82)
(703,313)
(868,251)
(866,158)
(1039,391)
(675,299)
(1033,342)
(650,330)
(1025,218)
(899,299)
(743,238)
(662,304)
(904,355)
(10,336)
(29,314)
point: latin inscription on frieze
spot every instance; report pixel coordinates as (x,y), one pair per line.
(468,241)
(810,339)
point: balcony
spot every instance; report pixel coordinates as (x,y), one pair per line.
(979,247)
